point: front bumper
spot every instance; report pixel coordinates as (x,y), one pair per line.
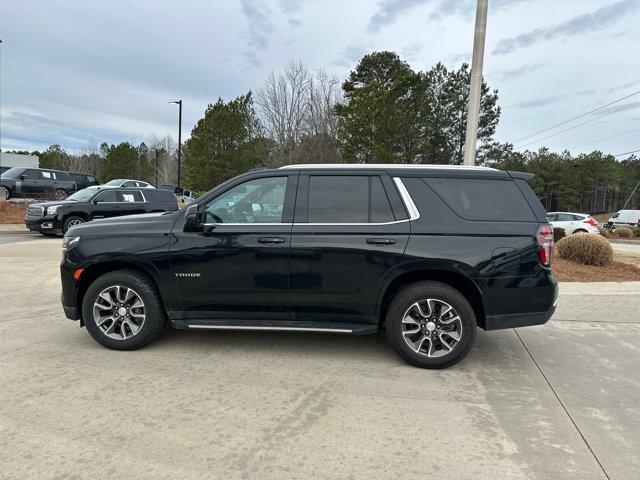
(44,225)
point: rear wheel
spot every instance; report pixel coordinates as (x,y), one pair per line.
(579,230)
(71,221)
(5,193)
(122,310)
(61,194)
(431,325)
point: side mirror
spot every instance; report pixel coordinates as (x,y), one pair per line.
(192,220)
(23,177)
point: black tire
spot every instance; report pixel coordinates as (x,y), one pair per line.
(579,230)
(71,221)
(61,194)
(155,316)
(5,193)
(417,292)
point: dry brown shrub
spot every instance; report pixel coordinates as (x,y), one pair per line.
(585,248)
(623,232)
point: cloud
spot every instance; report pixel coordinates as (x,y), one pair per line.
(261,28)
(538,102)
(389,11)
(21,128)
(596,20)
(467,8)
(517,72)
(351,55)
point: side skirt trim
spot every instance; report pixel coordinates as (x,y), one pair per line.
(246,327)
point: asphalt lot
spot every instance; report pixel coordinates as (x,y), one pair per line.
(556,401)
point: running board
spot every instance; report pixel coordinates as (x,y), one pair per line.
(290,329)
(274,326)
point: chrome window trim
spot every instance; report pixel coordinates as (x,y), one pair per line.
(414,213)
(247,327)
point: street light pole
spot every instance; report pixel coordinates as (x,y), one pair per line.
(179,103)
(476,82)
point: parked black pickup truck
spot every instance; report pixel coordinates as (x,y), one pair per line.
(55,218)
(36,182)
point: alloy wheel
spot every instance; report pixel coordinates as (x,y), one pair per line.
(60,195)
(431,328)
(119,312)
(74,222)
(4,193)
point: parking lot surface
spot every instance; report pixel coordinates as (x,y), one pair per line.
(556,401)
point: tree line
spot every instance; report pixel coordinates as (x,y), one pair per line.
(383,112)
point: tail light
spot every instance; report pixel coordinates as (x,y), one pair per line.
(544,241)
(592,222)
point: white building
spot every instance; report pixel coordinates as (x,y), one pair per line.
(19,160)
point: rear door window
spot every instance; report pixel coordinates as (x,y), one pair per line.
(380,207)
(338,199)
(483,199)
(130,196)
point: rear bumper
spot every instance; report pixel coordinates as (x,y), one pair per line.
(499,322)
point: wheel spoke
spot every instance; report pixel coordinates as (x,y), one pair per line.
(452,334)
(103,320)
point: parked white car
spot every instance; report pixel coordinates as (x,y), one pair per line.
(125,182)
(573,222)
(625,217)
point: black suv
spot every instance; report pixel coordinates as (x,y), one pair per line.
(427,252)
(55,218)
(84,180)
(36,182)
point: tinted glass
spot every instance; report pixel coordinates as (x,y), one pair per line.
(565,217)
(32,174)
(481,199)
(83,195)
(552,217)
(91,179)
(338,199)
(130,196)
(14,172)
(256,201)
(380,207)
(108,196)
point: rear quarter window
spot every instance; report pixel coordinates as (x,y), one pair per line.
(483,199)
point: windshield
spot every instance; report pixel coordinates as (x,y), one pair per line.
(12,172)
(115,182)
(83,195)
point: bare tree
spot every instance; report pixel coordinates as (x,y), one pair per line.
(282,103)
(324,94)
(167,160)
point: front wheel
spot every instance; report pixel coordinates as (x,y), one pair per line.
(122,310)
(5,193)
(431,325)
(71,221)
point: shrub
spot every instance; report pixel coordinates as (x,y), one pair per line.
(636,231)
(604,232)
(558,234)
(585,248)
(623,232)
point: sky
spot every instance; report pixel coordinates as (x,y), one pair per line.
(79,72)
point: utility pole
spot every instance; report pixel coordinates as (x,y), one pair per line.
(179,103)
(476,82)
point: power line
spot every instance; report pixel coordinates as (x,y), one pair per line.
(605,139)
(576,126)
(627,153)
(573,118)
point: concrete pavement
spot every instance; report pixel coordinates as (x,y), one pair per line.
(555,401)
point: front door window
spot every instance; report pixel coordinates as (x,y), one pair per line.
(256,201)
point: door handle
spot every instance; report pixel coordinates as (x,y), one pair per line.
(380,241)
(270,240)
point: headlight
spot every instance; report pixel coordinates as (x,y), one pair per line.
(68,242)
(53,209)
